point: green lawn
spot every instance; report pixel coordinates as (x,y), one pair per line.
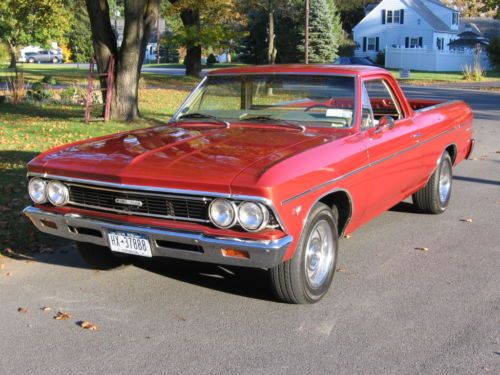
(441,77)
(28,129)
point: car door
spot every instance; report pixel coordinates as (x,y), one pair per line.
(391,138)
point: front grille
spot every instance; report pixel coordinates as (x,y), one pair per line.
(152,204)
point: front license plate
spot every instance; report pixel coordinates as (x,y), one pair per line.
(129,243)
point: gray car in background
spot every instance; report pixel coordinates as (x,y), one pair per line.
(44,56)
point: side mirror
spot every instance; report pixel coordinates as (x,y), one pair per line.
(386,121)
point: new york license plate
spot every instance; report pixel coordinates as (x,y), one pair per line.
(129,243)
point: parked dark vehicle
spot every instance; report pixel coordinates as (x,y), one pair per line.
(44,56)
(354,61)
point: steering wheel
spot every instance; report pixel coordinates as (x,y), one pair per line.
(316,106)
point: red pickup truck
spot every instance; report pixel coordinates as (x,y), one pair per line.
(262,167)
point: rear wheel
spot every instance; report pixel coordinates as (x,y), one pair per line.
(434,197)
(307,276)
(101,257)
(31,60)
(55,60)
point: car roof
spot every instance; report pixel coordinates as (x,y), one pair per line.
(327,69)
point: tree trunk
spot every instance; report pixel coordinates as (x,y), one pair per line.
(191,19)
(13,56)
(140,18)
(271,49)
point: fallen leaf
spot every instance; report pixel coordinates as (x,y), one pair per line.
(23,310)
(474,159)
(347,236)
(87,325)
(62,315)
(8,274)
(181,318)
(45,308)
(8,251)
(341,269)
(2,266)
(422,248)
(468,220)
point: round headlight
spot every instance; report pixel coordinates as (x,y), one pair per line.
(57,193)
(222,213)
(37,189)
(253,216)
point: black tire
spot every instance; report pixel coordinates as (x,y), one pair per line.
(101,257)
(434,197)
(290,280)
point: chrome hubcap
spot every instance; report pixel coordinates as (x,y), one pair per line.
(444,182)
(319,254)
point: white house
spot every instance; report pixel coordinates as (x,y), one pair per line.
(406,24)
(415,35)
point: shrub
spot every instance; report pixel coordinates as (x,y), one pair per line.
(49,80)
(211,60)
(73,95)
(473,72)
(39,92)
(494,51)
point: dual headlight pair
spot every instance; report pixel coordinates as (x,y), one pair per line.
(252,216)
(41,191)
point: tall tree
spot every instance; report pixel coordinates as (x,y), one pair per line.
(140,20)
(24,22)
(324,38)
(79,36)
(474,8)
(205,24)
(270,8)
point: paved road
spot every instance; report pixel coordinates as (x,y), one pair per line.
(392,309)
(168,71)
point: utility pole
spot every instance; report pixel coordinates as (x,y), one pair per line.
(158,39)
(306,35)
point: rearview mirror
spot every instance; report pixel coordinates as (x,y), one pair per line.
(386,121)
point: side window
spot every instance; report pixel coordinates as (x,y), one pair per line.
(382,100)
(367,120)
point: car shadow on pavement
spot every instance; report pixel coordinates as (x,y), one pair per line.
(247,282)
(405,207)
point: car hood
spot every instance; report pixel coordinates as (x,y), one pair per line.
(205,158)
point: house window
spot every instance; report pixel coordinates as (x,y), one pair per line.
(372,44)
(396,16)
(454,19)
(440,43)
(414,42)
(389,16)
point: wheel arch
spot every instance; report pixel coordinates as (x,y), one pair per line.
(452,151)
(342,200)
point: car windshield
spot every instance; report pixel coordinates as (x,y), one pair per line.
(309,100)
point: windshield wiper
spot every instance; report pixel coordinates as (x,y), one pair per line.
(270,118)
(197,115)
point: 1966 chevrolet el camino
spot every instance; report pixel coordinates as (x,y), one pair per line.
(262,167)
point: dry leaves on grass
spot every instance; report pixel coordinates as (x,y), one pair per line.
(22,310)
(87,325)
(62,316)
(422,248)
(467,220)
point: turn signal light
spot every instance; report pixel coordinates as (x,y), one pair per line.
(48,223)
(235,253)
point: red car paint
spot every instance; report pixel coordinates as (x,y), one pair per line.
(376,168)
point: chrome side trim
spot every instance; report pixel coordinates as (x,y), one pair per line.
(164,242)
(425,109)
(371,164)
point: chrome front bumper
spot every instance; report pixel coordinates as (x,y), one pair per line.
(164,243)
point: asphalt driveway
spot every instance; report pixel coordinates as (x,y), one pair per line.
(392,309)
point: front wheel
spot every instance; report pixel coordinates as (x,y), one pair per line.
(55,60)
(434,197)
(100,257)
(307,276)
